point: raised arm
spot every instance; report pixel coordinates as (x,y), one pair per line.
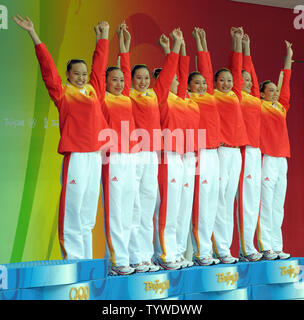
(204,65)
(236,61)
(49,71)
(284,98)
(164,42)
(124,40)
(163,82)
(183,71)
(249,67)
(100,59)
(27,25)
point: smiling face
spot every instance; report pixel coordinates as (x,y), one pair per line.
(115,82)
(197,84)
(78,75)
(247,82)
(224,81)
(270,93)
(141,79)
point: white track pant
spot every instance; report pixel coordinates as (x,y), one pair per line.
(170,179)
(274,184)
(230,161)
(205,202)
(118,182)
(248,198)
(141,246)
(80,178)
(186,204)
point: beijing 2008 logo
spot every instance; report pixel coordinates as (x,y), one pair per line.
(298,22)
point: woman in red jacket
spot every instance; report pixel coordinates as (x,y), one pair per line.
(201,89)
(248,197)
(118,178)
(80,122)
(233,136)
(275,149)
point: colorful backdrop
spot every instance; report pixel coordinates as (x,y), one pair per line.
(29,134)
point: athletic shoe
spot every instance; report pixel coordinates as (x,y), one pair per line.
(229,259)
(282,255)
(152,267)
(207,261)
(140,267)
(185,263)
(256,256)
(168,265)
(269,255)
(121,271)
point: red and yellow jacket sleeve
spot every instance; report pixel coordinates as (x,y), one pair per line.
(49,74)
(249,67)
(163,82)
(99,65)
(183,67)
(284,98)
(236,70)
(126,69)
(204,66)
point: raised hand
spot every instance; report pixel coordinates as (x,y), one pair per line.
(164,42)
(246,39)
(195,34)
(238,33)
(289,49)
(246,45)
(202,34)
(124,37)
(237,36)
(232,31)
(25,24)
(102,30)
(177,35)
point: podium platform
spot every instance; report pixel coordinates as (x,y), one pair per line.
(88,280)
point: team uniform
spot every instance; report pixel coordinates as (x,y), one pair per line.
(275,149)
(147,120)
(190,127)
(207,178)
(170,170)
(80,121)
(118,179)
(233,136)
(248,197)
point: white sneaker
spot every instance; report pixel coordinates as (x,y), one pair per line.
(282,255)
(185,263)
(256,256)
(207,261)
(168,265)
(229,259)
(140,267)
(152,267)
(121,271)
(269,255)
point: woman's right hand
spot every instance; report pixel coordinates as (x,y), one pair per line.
(164,42)
(25,24)
(177,35)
